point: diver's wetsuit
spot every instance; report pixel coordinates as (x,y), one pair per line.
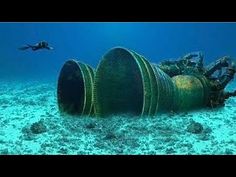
(40,45)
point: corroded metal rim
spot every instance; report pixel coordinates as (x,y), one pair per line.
(117,72)
(75,88)
(118,86)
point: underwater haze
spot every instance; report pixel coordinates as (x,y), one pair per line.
(29,117)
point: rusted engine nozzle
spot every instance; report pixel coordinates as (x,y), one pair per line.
(126,82)
(75,88)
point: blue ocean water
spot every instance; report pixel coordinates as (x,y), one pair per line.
(28,81)
(89,41)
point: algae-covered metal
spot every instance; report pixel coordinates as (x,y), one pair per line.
(127,83)
(75,88)
(190,92)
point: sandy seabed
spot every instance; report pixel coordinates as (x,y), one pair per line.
(22,104)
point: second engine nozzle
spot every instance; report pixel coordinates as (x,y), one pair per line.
(75,88)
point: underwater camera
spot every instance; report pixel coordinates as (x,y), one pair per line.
(125,82)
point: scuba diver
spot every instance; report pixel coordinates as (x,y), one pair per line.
(40,45)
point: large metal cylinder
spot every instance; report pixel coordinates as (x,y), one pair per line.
(192,92)
(126,82)
(75,88)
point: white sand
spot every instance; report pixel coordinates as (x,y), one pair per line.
(23,103)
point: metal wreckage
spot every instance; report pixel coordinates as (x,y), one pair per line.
(125,82)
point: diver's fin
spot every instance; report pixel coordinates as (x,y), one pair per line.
(24,48)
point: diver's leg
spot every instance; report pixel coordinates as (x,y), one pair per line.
(24,48)
(34,48)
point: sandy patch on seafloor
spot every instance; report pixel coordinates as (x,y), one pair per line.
(22,104)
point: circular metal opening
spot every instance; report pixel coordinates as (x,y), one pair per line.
(71,88)
(118,84)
